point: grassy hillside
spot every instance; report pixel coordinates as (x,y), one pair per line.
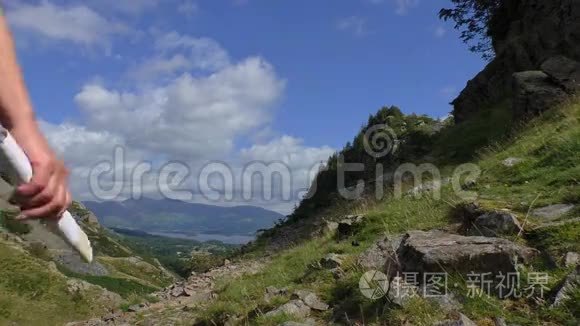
(549,150)
(30,284)
(39,269)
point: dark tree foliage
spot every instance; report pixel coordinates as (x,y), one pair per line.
(475,20)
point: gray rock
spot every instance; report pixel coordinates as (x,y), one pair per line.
(565,287)
(296,308)
(461,320)
(349,225)
(331,261)
(553,211)
(311,300)
(511,161)
(496,223)
(437,251)
(401,292)
(564,71)
(535,92)
(498,321)
(382,255)
(571,259)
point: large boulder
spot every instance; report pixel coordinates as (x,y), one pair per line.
(437,251)
(564,72)
(492,224)
(535,92)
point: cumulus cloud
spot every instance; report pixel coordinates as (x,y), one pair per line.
(190,117)
(203,107)
(77,23)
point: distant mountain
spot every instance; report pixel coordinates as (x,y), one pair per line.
(174,216)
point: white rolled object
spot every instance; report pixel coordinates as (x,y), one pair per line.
(16,166)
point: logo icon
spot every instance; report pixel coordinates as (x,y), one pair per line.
(374,284)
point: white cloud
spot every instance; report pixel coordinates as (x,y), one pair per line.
(177,53)
(190,117)
(439,31)
(77,24)
(403,6)
(131,7)
(188,8)
(354,24)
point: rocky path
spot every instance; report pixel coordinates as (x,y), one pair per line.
(176,302)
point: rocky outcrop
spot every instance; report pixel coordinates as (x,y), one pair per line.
(496,223)
(538,30)
(534,93)
(565,288)
(437,251)
(490,223)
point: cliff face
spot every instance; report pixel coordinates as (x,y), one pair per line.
(538,30)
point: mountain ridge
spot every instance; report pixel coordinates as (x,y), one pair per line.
(169,215)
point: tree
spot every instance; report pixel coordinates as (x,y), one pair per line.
(475,19)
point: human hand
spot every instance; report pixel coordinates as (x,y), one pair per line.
(46,195)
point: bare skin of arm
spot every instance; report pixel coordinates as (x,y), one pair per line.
(47,194)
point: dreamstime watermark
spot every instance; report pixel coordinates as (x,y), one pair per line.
(511,285)
(219,181)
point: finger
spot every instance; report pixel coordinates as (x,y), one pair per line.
(44,197)
(41,174)
(51,209)
(67,203)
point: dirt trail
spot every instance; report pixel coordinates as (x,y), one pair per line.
(176,302)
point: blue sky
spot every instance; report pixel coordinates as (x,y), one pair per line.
(240,80)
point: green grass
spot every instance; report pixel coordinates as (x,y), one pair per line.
(28,285)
